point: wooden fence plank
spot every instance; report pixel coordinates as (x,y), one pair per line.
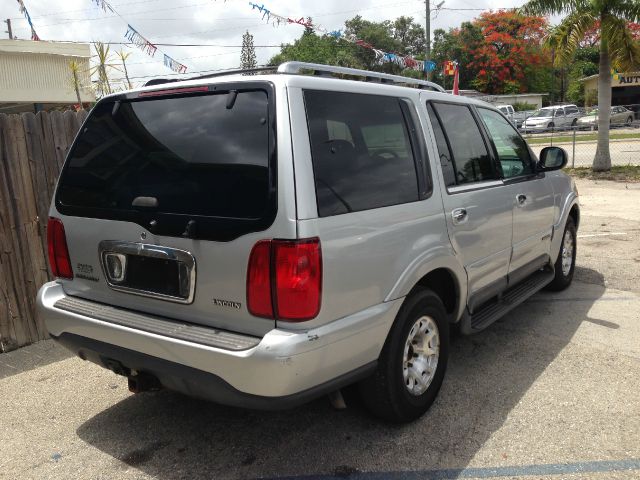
(32,151)
(14,281)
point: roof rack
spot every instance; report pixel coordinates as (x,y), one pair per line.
(300,68)
(368,76)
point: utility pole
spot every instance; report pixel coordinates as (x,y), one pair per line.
(9,31)
(427,56)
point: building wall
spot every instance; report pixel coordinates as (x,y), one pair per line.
(38,72)
(625,87)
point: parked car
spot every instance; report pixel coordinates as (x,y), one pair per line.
(552,118)
(260,241)
(619,116)
(516,118)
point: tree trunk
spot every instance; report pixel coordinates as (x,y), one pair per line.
(602,160)
(76,81)
(126,74)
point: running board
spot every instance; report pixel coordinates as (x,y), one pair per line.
(511,298)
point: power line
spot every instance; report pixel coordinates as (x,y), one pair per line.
(167,44)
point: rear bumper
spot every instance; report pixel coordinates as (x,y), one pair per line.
(283,369)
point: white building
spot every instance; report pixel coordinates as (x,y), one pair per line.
(36,76)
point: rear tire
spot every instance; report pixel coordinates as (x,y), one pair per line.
(566,262)
(413,361)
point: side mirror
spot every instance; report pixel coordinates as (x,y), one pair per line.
(552,158)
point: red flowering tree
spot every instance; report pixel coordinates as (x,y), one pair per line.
(512,46)
(592,35)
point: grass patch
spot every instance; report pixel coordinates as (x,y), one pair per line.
(591,137)
(618,173)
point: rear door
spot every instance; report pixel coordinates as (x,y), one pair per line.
(164,195)
(530,194)
(478,207)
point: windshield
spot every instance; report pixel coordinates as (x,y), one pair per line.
(187,155)
(543,113)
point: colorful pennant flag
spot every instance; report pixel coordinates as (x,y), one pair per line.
(140,41)
(173,65)
(25,12)
(403,61)
(104,5)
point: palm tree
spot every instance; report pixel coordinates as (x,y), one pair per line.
(617,48)
(123,57)
(76,72)
(102,68)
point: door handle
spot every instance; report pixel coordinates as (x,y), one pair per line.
(459,216)
(521,199)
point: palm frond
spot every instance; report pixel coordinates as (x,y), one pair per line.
(623,49)
(550,7)
(625,9)
(566,37)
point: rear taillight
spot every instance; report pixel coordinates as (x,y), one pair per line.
(259,280)
(59,260)
(284,279)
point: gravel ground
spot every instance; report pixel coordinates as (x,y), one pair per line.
(550,391)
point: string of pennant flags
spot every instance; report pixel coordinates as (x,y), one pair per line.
(404,61)
(25,12)
(141,42)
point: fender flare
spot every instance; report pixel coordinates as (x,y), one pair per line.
(569,202)
(439,257)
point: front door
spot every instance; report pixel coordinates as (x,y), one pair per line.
(477,205)
(530,194)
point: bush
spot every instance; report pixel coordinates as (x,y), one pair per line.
(524,106)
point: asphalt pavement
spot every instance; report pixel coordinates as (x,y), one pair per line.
(550,391)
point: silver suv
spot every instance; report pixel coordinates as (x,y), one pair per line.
(263,240)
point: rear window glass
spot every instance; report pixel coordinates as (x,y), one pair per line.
(361,150)
(188,155)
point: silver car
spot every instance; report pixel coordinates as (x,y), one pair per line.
(619,116)
(260,241)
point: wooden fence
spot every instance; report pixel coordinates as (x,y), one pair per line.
(32,150)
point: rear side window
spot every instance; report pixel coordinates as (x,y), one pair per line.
(471,160)
(361,151)
(175,159)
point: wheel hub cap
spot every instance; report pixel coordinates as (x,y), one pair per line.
(421,351)
(567,253)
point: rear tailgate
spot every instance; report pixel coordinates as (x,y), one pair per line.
(165,193)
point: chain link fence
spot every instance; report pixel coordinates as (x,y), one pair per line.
(579,135)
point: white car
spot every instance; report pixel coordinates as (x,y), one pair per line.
(552,118)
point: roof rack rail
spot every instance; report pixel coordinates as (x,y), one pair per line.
(299,68)
(330,71)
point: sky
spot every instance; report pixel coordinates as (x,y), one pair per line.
(219,24)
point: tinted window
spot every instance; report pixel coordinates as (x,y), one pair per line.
(559,112)
(446,159)
(190,155)
(512,150)
(471,159)
(371,167)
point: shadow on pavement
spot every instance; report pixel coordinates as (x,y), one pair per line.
(171,437)
(32,356)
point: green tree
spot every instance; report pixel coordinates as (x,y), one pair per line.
(617,48)
(248,52)
(318,49)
